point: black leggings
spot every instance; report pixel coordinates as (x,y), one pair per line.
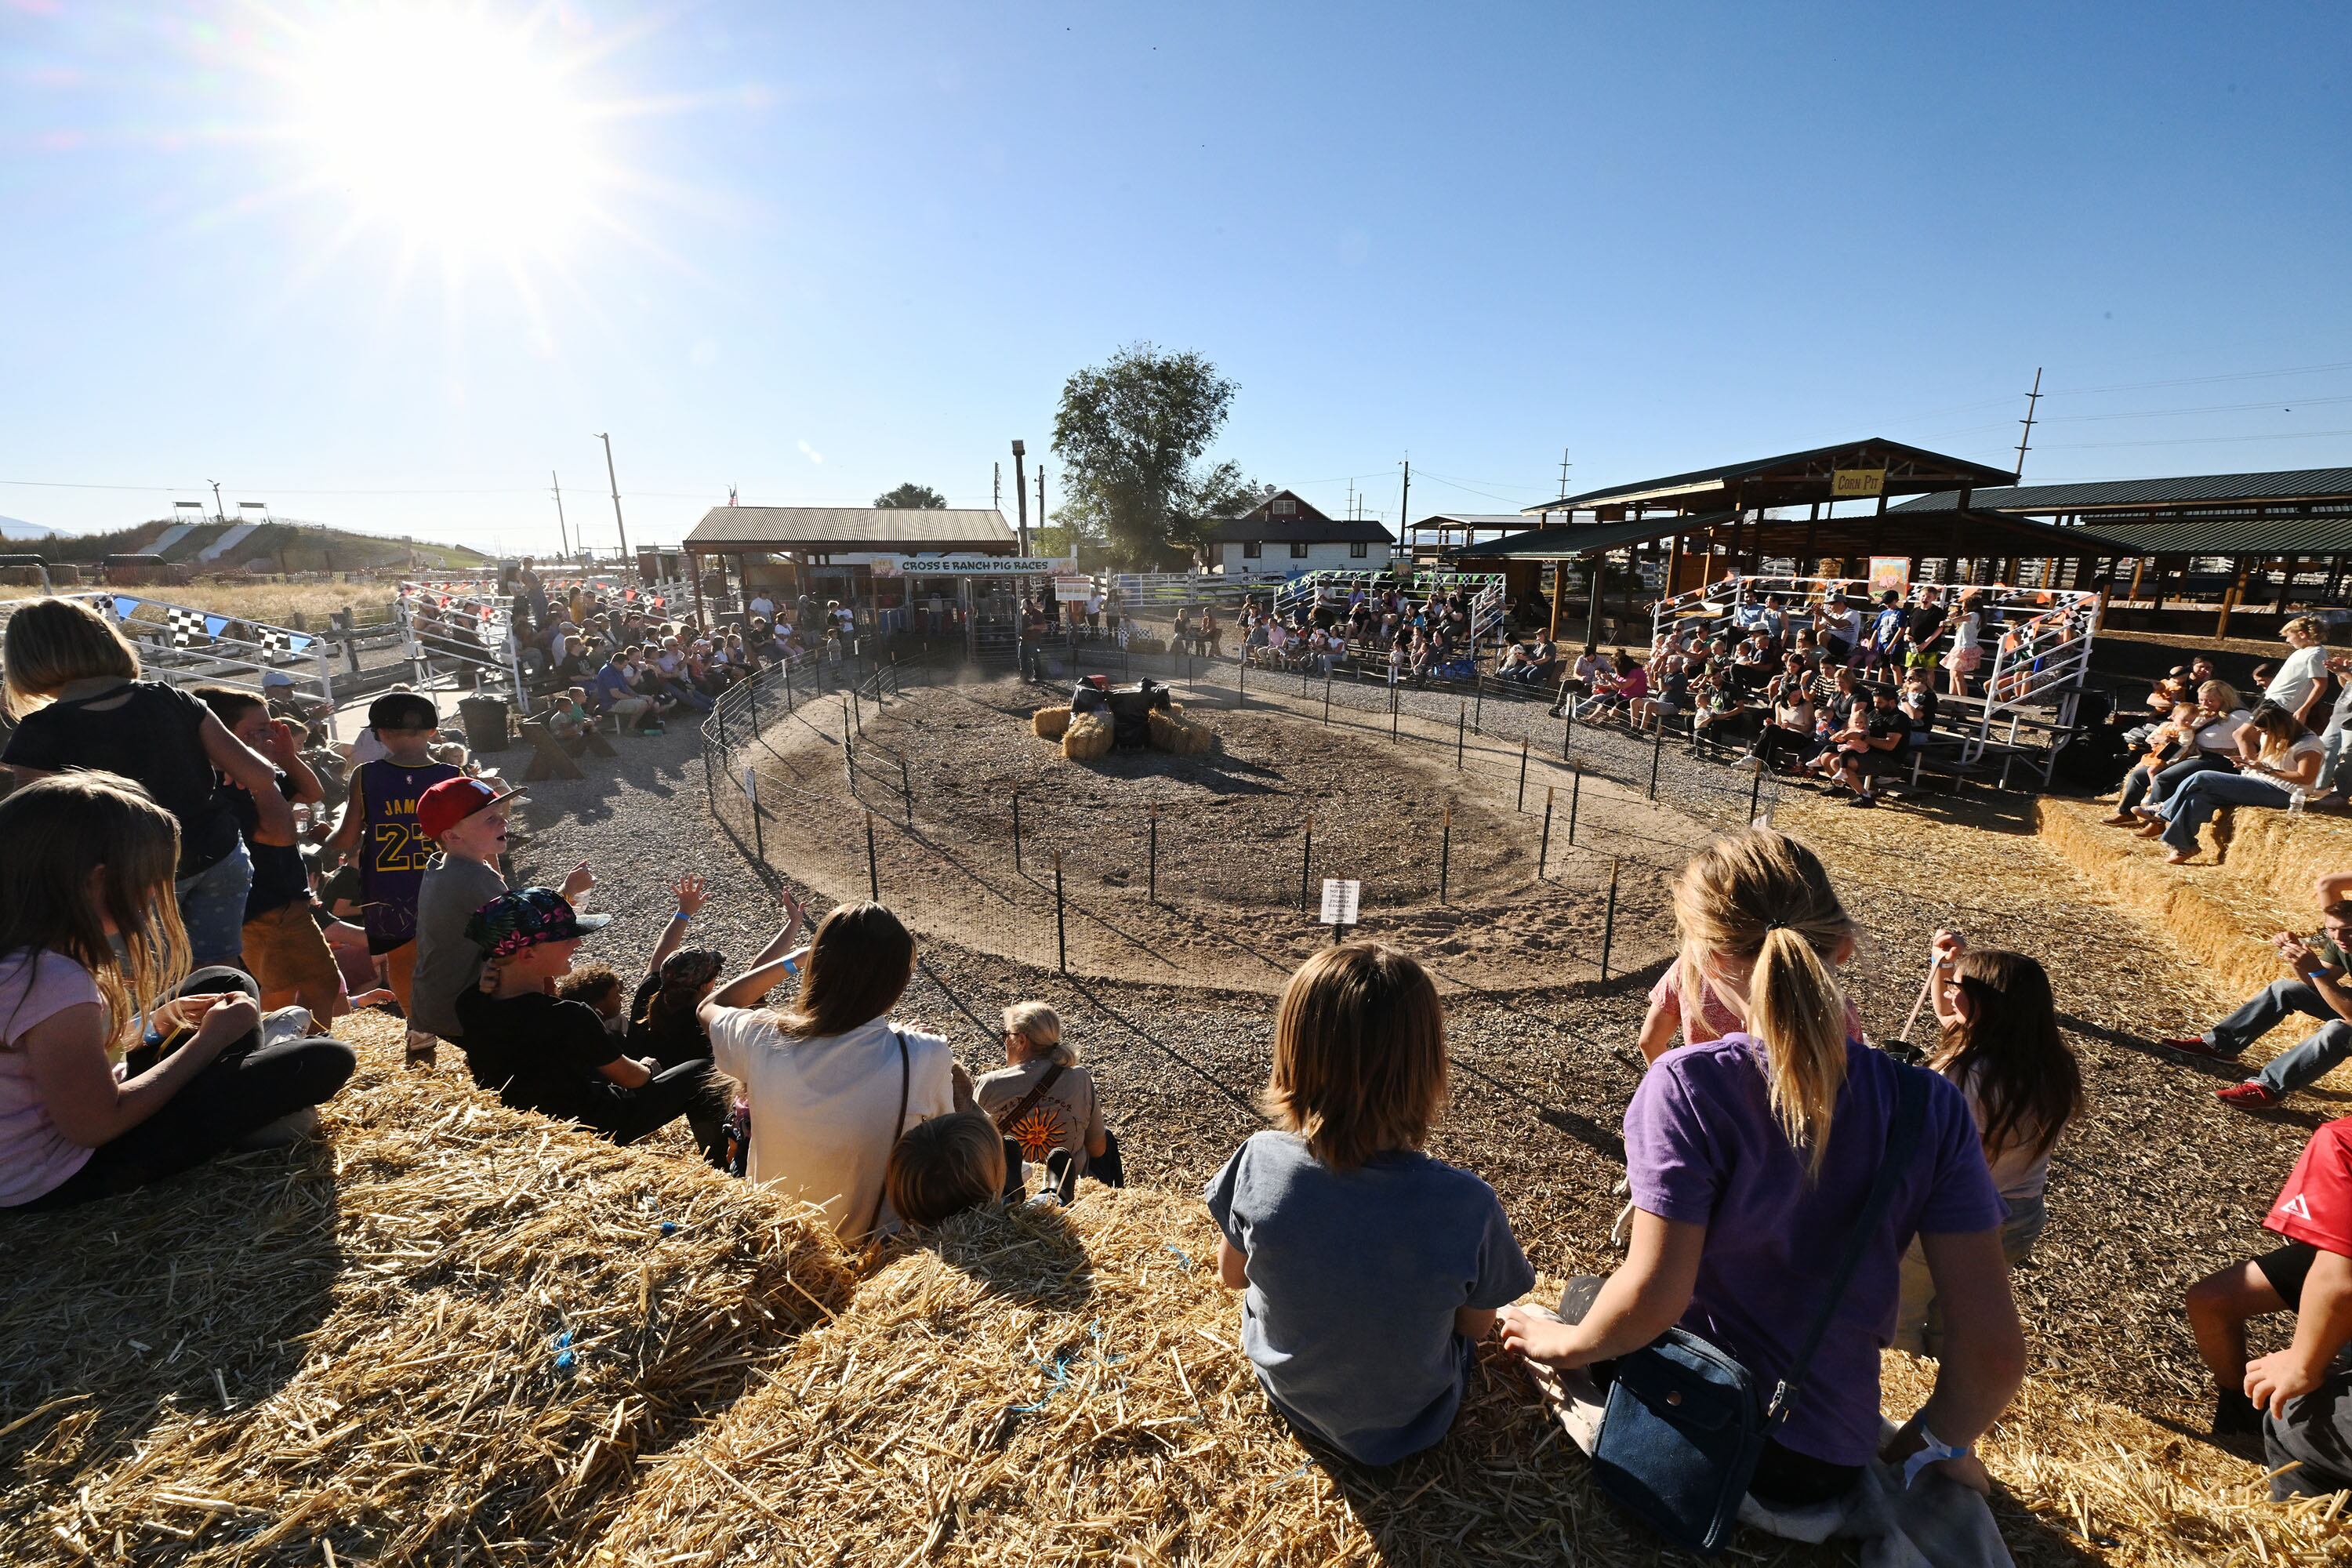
(245,1088)
(694,1090)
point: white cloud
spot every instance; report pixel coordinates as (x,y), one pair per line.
(810,453)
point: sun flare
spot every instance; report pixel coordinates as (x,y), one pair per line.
(453,130)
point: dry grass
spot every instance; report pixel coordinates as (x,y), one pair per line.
(444,1328)
(1174,732)
(1050,723)
(1088,737)
(275,604)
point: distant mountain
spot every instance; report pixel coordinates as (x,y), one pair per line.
(17,528)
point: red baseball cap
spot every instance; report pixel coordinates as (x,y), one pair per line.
(452,801)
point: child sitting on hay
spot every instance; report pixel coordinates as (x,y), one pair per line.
(1372,1270)
(1045,1104)
(942,1167)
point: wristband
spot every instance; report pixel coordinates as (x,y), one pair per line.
(1933,1450)
(680,916)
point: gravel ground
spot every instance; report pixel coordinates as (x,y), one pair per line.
(2160,1185)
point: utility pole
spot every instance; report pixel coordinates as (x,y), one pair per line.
(1404,501)
(616,495)
(1021,495)
(2032,398)
(1564,466)
(1041,510)
(562,536)
(219,515)
(996,486)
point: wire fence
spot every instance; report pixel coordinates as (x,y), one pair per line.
(1548,859)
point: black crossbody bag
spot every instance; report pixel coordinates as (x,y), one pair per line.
(1685,1424)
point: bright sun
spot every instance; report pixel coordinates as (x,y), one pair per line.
(447,128)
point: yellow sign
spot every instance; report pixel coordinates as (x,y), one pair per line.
(1890,572)
(1857,482)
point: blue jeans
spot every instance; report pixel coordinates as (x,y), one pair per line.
(2173,775)
(2335,740)
(2303,1063)
(212,906)
(2201,795)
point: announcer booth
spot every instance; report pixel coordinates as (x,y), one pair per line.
(881,562)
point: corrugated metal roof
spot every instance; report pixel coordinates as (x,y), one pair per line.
(2179,489)
(1701,479)
(2322,534)
(852,528)
(1785,535)
(1512,520)
(1578,540)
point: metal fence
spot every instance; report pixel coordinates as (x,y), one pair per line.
(803,769)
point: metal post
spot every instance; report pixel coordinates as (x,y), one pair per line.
(1657,751)
(1479,679)
(1016,831)
(1754,794)
(326,683)
(907,788)
(1392,712)
(1327,697)
(1305,860)
(759,833)
(1566,726)
(1575,789)
(1609,917)
(1151,883)
(1446,854)
(873,871)
(849,765)
(1241,694)
(1461,723)
(1543,845)
(1061,926)
(1521,805)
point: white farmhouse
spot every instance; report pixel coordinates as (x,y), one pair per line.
(1285,534)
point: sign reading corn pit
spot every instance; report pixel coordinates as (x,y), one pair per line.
(1857,482)
(1339,899)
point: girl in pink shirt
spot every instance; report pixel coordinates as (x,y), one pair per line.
(86,860)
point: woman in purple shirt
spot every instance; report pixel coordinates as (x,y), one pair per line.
(1750,1159)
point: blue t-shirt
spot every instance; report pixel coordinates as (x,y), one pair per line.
(609,685)
(1702,1148)
(1355,1276)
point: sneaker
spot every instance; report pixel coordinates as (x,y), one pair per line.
(2250,1095)
(2234,1415)
(288,1129)
(2197,1046)
(421,1052)
(1864,800)
(1062,1175)
(1836,791)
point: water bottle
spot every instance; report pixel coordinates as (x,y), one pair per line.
(2294,799)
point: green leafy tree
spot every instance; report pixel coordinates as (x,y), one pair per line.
(1130,434)
(913,497)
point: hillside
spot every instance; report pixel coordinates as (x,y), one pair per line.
(276,546)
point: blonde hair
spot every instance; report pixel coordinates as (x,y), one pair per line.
(2218,695)
(944,1166)
(2307,625)
(52,642)
(1359,1055)
(1764,899)
(53,833)
(1042,1028)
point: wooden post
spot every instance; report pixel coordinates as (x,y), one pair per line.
(693,570)
(1600,560)
(2230,597)
(2140,564)
(2162,570)
(1559,582)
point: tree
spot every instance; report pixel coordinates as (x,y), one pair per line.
(913,497)
(1130,434)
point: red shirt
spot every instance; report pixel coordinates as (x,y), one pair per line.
(2315,1205)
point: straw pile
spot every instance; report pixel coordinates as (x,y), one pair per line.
(1068,1386)
(1088,737)
(1172,730)
(444,1328)
(1049,723)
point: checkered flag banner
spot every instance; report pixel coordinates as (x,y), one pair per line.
(187,627)
(277,639)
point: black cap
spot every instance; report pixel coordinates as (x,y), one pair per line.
(403,711)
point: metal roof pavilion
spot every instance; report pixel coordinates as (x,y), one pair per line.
(736,530)
(1790,479)
(2281,486)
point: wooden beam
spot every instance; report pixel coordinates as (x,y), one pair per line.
(2140,564)
(2230,597)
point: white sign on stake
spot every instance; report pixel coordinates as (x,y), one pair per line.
(1073,590)
(751,783)
(1340,900)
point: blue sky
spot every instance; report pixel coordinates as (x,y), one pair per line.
(825,249)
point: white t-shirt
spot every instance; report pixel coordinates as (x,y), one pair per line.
(2221,735)
(821,1108)
(35,1157)
(763,607)
(2293,683)
(1965,634)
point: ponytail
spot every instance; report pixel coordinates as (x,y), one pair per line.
(1795,1008)
(1766,898)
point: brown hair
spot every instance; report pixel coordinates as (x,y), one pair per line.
(53,832)
(944,1166)
(227,703)
(53,641)
(1359,1055)
(2026,1082)
(2279,728)
(588,982)
(1764,897)
(859,961)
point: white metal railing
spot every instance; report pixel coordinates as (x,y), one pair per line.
(182,645)
(1487,606)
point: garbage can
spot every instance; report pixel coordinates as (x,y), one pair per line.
(486,722)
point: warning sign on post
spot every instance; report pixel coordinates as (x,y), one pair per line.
(1073,590)
(1339,899)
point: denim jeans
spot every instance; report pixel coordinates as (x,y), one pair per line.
(2335,740)
(2303,1063)
(212,906)
(2173,775)
(2204,794)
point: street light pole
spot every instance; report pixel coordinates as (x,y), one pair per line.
(1021,495)
(562,536)
(617,522)
(220,514)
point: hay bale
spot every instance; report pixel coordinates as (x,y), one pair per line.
(356,1345)
(1088,737)
(1049,723)
(1171,732)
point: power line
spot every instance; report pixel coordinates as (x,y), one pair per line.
(2194,441)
